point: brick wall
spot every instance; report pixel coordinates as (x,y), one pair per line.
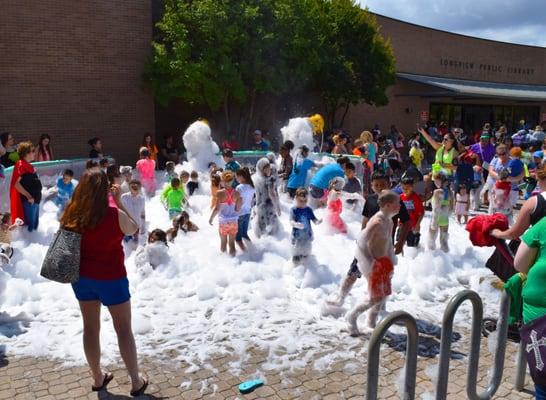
(72,69)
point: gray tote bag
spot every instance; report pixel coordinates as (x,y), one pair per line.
(62,261)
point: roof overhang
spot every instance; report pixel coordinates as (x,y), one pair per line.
(461,88)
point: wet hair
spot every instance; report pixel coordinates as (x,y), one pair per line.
(245,173)
(350,166)
(194,175)
(288,145)
(387,197)
(379,176)
(407,180)
(227,153)
(68,172)
(91,164)
(158,235)
(175,182)
(93,141)
(301,192)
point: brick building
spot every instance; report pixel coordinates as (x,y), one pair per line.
(72,69)
(457,79)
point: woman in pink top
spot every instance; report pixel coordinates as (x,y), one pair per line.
(146,169)
(43,150)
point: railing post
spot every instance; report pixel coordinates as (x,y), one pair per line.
(521,368)
(411,354)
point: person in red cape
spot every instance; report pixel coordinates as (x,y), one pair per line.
(25,188)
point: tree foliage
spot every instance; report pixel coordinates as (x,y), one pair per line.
(225,53)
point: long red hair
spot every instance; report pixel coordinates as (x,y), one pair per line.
(89,203)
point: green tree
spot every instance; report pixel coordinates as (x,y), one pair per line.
(357,64)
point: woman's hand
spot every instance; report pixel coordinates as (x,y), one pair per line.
(496,233)
(116,193)
(30,199)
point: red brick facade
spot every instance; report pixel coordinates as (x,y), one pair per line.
(72,69)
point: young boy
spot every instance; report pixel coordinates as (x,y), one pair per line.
(352,184)
(376,260)
(301,216)
(174,198)
(231,164)
(65,188)
(416,211)
(380,183)
(184,178)
(126,172)
(193,184)
(169,172)
(134,203)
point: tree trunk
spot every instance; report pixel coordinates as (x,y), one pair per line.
(250,116)
(227,123)
(347,105)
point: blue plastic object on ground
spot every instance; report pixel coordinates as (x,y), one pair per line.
(249,386)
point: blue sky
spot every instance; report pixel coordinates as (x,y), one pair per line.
(514,21)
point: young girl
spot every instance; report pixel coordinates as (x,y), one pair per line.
(335,206)
(340,147)
(215,183)
(43,150)
(146,169)
(134,203)
(154,253)
(5,237)
(301,216)
(127,176)
(442,204)
(267,210)
(181,223)
(227,207)
(501,195)
(246,191)
(462,205)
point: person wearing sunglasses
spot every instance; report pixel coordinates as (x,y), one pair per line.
(446,151)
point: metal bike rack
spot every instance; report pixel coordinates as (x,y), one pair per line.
(473,359)
(411,354)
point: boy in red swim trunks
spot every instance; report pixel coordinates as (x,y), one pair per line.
(376,259)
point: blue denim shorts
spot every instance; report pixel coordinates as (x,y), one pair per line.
(242,231)
(109,293)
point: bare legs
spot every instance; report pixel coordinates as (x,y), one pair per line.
(229,241)
(375,306)
(223,243)
(121,316)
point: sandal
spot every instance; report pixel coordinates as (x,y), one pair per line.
(107,378)
(140,391)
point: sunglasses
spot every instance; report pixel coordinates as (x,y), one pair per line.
(446,139)
(501,154)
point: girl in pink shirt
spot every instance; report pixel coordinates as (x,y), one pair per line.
(146,169)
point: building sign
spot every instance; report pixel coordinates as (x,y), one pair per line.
(495,68)
(424,116)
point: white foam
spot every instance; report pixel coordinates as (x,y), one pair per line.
(299,131)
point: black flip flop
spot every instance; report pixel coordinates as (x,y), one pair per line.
(107,378)
(139,392)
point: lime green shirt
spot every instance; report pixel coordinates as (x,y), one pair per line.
(174,198)
(445,158)
(534,291)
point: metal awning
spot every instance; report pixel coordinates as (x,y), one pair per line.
(465,88)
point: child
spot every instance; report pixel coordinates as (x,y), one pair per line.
(286,164)
(146,169)
(231,164)
(6,250)
(352,185)
(154,253)
(184,178)
(126,176)
(91,165)
(193,184)
(442,204)
(501,195)
(268,209)
(416,154)
(174,198)
(134,203)
(215,183)
(65,187)
(476,189)
(246,191)
(181,223)
(227,207)
(415,208)
(301,216)
(335,206)
(376,260)
(462,205)
(169,172)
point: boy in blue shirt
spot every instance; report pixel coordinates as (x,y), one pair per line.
(65,188)
(231,164)
(318,187)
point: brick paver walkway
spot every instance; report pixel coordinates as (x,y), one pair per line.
(33,378)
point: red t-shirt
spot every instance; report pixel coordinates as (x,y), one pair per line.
(415,207)
(102,254)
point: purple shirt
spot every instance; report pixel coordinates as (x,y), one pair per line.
(486,153)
